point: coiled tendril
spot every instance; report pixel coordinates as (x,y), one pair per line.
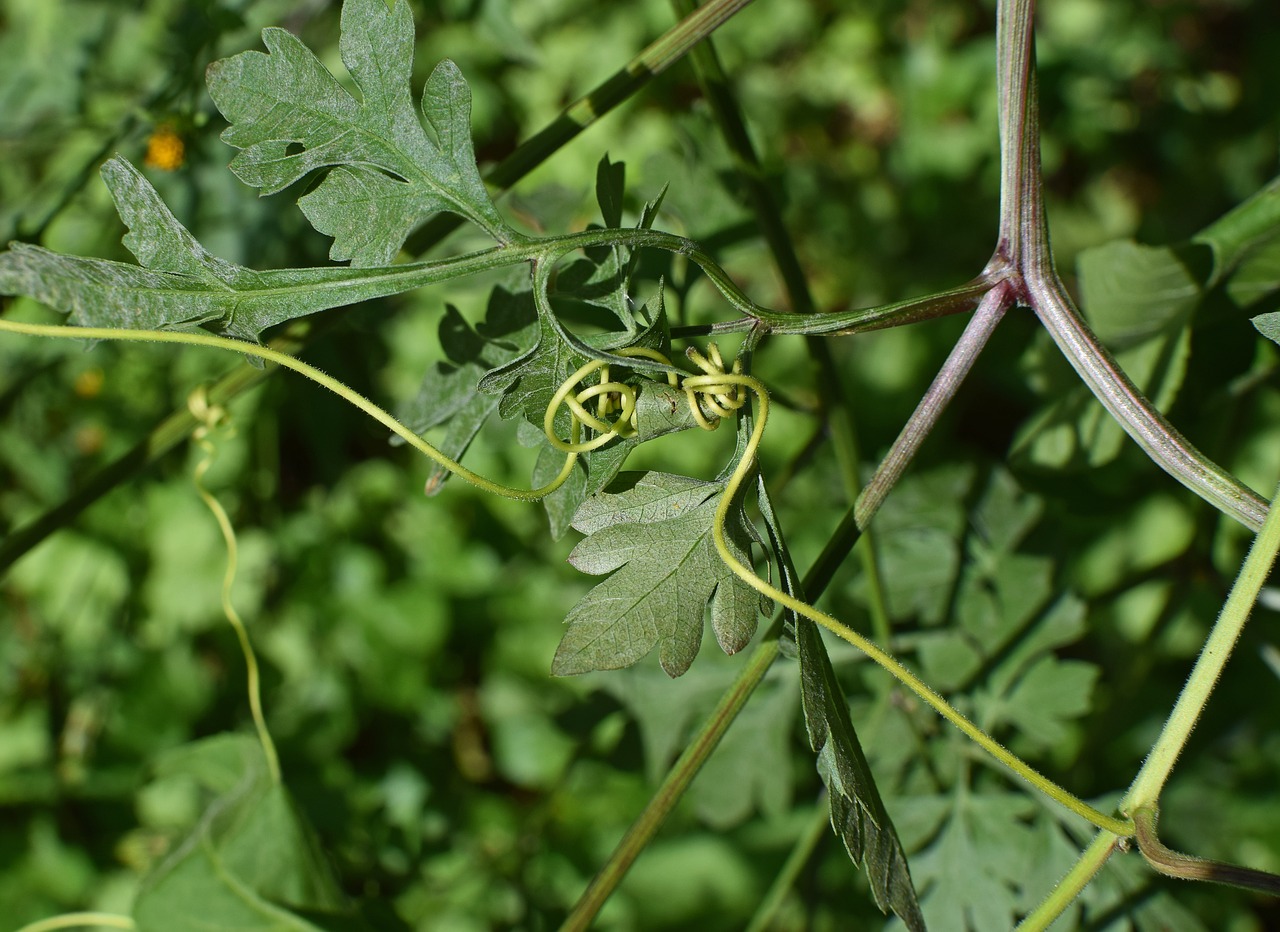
(615,402)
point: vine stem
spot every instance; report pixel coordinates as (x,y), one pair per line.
(1155,771)
(211,416)
(1122,827)
(961,359)
(1069,887)
(77,920)
(673,787)
(283,360)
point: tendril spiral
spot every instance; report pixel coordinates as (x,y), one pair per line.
(712,395)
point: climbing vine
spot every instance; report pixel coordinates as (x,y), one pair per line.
(674,549)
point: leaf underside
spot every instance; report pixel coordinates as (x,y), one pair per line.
(290,116)
(654,536)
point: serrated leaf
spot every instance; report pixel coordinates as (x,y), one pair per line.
(858,815)
(974,871)
(251,863)
(388,174)
(654,536)
(1049,696)
(604,277)
(178,284)
(743,775)
(449,393)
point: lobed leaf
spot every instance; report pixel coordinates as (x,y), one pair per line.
(654,536)
(180,286)
(251,863)
(387,174)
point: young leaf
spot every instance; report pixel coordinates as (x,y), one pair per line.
(181,286)
(604,277)
(654,535)
(858,815)
(449,394)
(387,175)
(251,863)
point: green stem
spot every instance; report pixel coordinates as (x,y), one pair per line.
(814,832)
(340,389)
(77,920)
(875,653)
(673,786)
(1145,791)
(1069,887)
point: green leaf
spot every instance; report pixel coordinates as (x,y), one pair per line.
(605,276)
(743,775)
(974,872)
(858,815)
(251,863)
(180,286)
(654,535)
(449,394)
(387,175)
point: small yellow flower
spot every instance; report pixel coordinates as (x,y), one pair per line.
(165,150)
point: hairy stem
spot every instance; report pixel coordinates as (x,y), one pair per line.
(1069,887)
(875,653)
(1185,867)
(1147,786)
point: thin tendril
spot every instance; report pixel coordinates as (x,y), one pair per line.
(721,393)
(77,920)
(340,389)
(719,384)
(210,416)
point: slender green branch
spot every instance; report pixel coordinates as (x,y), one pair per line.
(1147,786)
(875,653)
(674,785)
(1069,887)
(77,920)
(311,372)
(814,832)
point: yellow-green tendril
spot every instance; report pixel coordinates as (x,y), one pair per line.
(311,372)
(210,416)
(722,385)
(721,392)
(77,920)
(610,396)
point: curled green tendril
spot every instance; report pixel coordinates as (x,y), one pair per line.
(210,417)
(722,393)
(718,386)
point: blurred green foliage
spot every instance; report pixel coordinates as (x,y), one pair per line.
(407,640)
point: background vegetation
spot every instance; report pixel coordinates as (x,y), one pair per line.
(406,639)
